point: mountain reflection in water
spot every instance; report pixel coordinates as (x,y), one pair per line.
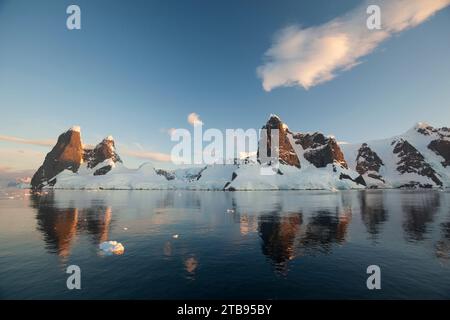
(227,242)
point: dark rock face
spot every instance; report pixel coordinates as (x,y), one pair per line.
(66,154)
(442,148)
(428,130)
(308,140)
(358,180)
(367,161)
(102,171)
(326,154)
(412,161)
(440,145)
(103,151)
(287,154)
(167,174)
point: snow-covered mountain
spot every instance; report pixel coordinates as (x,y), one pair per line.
(420,158)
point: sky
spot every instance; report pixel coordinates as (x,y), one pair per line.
(137,69)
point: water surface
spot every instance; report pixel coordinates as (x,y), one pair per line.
(250,245)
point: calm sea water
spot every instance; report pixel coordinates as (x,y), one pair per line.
(258,245)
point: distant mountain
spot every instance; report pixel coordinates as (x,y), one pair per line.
(69,154)
(20,183)
(420,158)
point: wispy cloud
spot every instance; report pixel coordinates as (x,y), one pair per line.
(27,141)
(310,56)
(5,168)
(194,119)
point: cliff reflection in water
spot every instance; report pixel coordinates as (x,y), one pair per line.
(419,214)
(288,236)
(59,226)
(287,225)
(373,212)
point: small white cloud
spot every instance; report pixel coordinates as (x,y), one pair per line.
(194,119)
(308,57)
(171,131)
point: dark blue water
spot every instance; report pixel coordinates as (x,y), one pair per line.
(258,245)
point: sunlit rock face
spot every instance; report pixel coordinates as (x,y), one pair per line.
(317,149)
(287,153)
(69,154)
(66,154)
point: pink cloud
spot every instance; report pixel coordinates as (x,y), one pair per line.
(28,141)
(307,57)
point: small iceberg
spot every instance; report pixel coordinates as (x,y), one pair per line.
(112,247)
(175,236)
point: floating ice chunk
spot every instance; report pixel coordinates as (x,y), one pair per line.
(125,228)
(230,210)
(175,236)
(112,247)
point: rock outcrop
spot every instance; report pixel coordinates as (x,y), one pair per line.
(286,152)
(320,150)
(103,151)
(441,148)
(412,161)
(368,162)
(441,140)
(69,154)
(66,154)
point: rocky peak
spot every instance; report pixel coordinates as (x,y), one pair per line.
(428,130)
(423,128)
(368,161)
(66,154)
(103,151)
(69,154)
(320,150)
(287,153)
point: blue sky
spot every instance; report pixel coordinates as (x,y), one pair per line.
(136,69)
